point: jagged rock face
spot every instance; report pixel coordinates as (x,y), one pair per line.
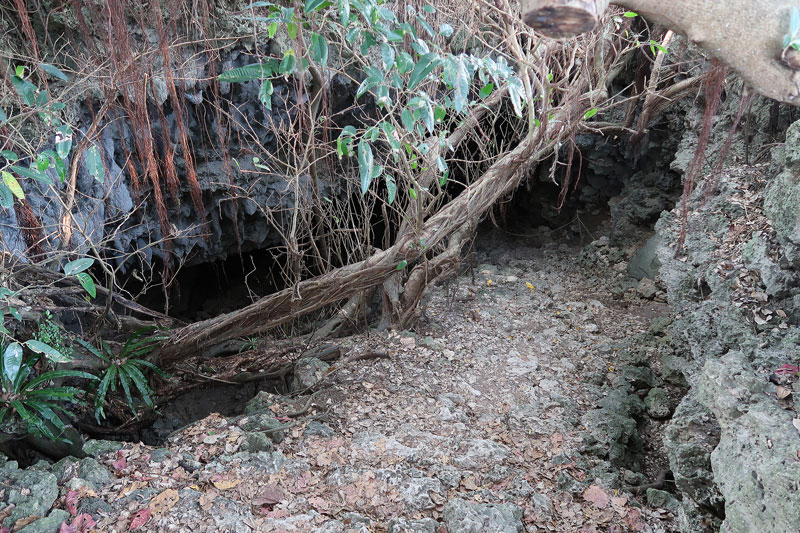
(736,287)
(244,201)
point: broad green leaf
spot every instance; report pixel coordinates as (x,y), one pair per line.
(25,89)
(446,30)
(63,141)
(13,311)
(48,351)
(366,85)
(589,114)
(344,11)
(313,5)
(461,92)
(441,164)
(319,49)
(291,30)
(401,265)
(391,190)
(31,173)
(13,185)
(265,93)
(87,283)
(413,193)
(272,30)
(630,14)
(42,162)
(10,155)
(427,116)
(6,197)
(79,265)
(387,54)
(424,66)
(404,62)
(53,71)
(12,361)
(365,165)
(407,118)
(486,90)
(94,163)
(427,27)
(3,116)
(288,63)
(256,71)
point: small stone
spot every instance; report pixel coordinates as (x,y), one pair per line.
(308,373)
(658,404)
(647,289)
(662,500)
(468,517)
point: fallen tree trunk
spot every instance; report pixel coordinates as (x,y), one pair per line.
(747,36)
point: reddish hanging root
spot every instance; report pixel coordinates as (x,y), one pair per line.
(191,176)
(31,228)
(745,100)
(715,80)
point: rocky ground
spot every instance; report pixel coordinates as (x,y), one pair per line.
(519,405)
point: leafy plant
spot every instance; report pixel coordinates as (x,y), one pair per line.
(420,87)
(53,334)
(126,369)
(34,399)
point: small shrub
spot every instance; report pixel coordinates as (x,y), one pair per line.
(126,369)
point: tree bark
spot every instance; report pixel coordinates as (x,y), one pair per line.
(747,36)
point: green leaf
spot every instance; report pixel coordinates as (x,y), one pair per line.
(12,361)
(256,71)
(461,93)
(42,162)
(102,390)
(9,155)
(407,118)
(15,313)
(79,265)
(63,141)
(424,66)
(391,190)
(288,63)
(25,89)
(446,30)
(441,164)
(366,165)
(404,62)
(31,173)
(401,265)
(366,85)
(141,384)
(319,49)
(272,29)
(344,11)
(6,197)
(388,55)
(87,283)
(486,90)
(265,93)
(413,193)
(589,114)
(126,387)
(3,116)
(13,185)
(516,91)
(630,14)
(94,163)
(47,350)
(313,5)
(53,71)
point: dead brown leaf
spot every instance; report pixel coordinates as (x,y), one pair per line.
(163,502)
(597,496)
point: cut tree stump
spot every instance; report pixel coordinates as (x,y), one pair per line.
(563,18)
